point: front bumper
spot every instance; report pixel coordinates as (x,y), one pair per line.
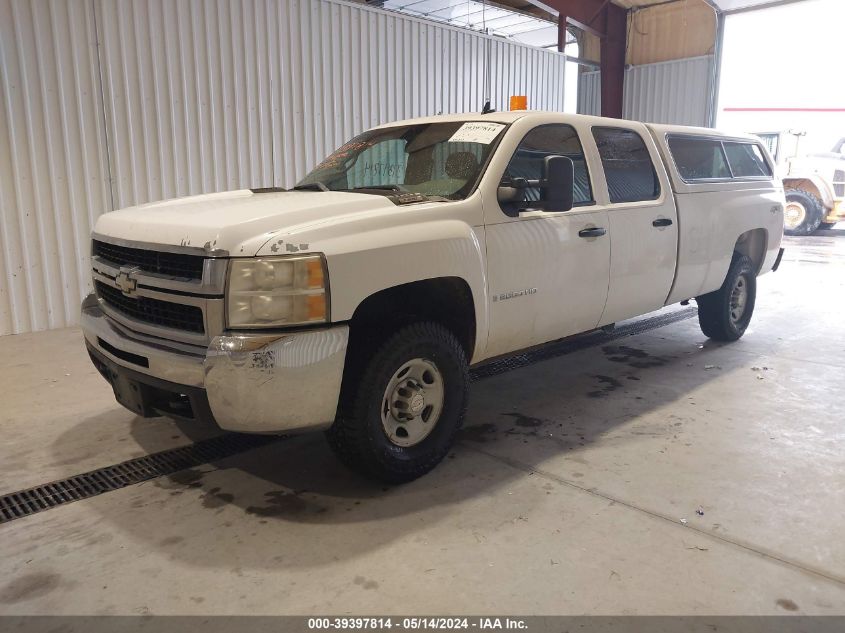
(837,213)
(252,383)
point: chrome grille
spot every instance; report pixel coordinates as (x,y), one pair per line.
(164,313)
(158,262)
(168,292)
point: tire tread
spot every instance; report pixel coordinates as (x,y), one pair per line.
(713,315)
(350,436)
(815,212)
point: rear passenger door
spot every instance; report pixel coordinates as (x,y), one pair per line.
(643,224)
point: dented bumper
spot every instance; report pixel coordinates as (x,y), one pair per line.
(252,383)
(278,382)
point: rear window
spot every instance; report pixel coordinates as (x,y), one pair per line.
(699,158)
(627,165)
(746,160)
(710,159)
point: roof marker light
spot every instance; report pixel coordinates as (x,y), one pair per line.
(519,102)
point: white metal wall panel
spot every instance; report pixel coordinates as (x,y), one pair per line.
(589,93)
(106,104)
(186,89)
(342,68)
(206,96)
(676,92)
(53,173)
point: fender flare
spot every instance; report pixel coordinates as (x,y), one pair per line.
(824,188)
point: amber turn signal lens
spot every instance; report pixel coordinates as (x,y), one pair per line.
(316,307)
(315,274)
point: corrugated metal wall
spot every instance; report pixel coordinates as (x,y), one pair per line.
(589,93)
(187,91)
(53,171)
(107,104)
(676,92)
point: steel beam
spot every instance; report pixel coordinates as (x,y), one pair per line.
(712,110)
(608,22)
(613,46)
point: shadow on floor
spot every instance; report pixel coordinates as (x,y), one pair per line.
(296,495)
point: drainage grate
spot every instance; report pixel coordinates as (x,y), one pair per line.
(25,502)
(578,342)
(19,504)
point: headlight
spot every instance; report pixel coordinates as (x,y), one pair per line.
(276,291)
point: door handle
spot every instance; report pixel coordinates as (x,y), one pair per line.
(662,222)
(597,232)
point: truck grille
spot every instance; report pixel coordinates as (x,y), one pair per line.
(162,263)
(163,313)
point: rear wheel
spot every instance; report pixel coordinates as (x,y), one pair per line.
(803,213)
(724,314)
(398,417)
(826,226)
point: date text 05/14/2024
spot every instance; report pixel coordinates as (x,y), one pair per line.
(417,623)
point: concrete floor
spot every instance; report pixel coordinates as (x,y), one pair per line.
(564,495)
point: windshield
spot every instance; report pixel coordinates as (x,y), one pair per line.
(437,160)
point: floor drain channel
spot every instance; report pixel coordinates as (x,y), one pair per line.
(579,342)
(19,504)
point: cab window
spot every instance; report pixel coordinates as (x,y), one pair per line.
(699,158)
(746,160)
(627,165)
(549,140)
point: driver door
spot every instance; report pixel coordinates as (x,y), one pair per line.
(548,272)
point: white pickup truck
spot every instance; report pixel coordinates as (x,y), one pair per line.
(356,302)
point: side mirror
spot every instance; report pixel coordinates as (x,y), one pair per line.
(512,190)
(558,183)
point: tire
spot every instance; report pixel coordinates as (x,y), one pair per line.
(803,214)
(826,226)
(719,313)
(366,435)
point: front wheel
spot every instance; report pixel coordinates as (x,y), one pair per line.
(398,419)
(724,314)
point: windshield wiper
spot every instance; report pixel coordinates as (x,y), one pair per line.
(399,195)
(378,188)
(312,186)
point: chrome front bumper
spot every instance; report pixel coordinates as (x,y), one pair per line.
(254,383)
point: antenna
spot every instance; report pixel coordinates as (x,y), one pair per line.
(487,81)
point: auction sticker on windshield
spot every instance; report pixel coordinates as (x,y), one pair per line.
(476,132)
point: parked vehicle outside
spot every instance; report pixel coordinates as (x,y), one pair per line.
(814,184)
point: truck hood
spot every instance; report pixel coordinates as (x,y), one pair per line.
(235,222)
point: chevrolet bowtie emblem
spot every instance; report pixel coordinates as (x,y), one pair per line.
(126,283)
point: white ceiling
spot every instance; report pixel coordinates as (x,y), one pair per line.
(477,15)
(499,19)
(727,6)
(737,5)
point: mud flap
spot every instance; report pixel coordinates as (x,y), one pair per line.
(777,261)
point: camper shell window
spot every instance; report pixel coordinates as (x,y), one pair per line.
(705,159)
